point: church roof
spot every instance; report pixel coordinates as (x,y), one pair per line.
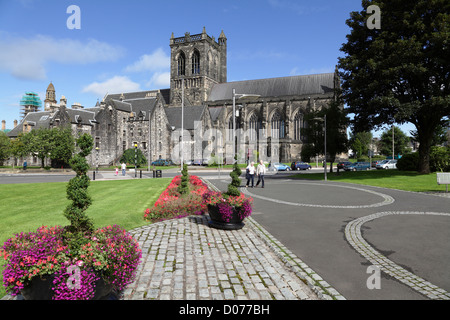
(139,106)
(276,87)
(81,116)
(37,120)
(133,95)
(215,112)
(191,114)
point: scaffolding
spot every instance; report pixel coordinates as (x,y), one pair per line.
(30,103)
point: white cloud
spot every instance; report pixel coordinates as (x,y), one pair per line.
(158,60)
(117,84)
(160,80)
(26,58)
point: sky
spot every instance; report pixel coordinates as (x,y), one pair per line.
(123,46)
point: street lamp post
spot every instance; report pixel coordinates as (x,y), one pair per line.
(135,160)
(324,119)
(239,96)
(182,123)
(97,149)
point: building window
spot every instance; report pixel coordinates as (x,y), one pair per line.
(254,125)
(196,62)
(299,125)
(140,132)
(144,145)
(181,64)
(277,126)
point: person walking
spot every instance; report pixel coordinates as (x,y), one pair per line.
(260,171)
(251,174)
(124,168)
(117,171)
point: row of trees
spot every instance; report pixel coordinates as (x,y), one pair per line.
(390,74)
(399,71)
(56,144)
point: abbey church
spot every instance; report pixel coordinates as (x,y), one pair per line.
(200,92)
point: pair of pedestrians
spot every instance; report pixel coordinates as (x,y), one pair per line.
(250,173)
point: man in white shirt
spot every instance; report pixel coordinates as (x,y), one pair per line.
(260,171)
(124,168)
(250,174)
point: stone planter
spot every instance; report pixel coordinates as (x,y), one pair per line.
(217,222)
(40,288)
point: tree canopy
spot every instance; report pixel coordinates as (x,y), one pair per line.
(400,72)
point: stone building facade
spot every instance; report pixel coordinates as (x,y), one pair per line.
(267,126)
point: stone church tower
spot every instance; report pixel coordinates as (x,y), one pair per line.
(201,61)
(50,97)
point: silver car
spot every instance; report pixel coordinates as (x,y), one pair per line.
(387,164)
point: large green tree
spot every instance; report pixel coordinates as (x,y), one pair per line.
(361,143)
(129,157)
(401,141)
(336,128)
(63,146)
(5,147)
(400,72)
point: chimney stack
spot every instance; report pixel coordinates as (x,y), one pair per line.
(15,123)
(3,125)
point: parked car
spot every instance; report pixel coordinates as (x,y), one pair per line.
(299,165)
(281,167)
(162,162)
(357,166)
(374,163)
(197,162)
(342,164)
(387,164)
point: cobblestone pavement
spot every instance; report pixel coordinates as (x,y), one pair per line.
(355,238)
(186,259)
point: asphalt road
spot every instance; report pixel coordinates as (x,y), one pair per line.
(310,217)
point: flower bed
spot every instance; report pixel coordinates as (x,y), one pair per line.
(75,262)
(109,253)
(172,205)
(226,204)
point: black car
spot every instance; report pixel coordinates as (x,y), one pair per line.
(342,164)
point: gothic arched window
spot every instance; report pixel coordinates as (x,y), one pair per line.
(196,62)
(181,64)
(299,125)
(277,126)
(230,129)
(254,125)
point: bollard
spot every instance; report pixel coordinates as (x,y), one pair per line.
(93,177)
(140,174)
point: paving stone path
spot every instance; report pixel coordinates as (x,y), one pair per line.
(187,259)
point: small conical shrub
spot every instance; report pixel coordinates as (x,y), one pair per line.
(80,223)
(183,188)
(235,181)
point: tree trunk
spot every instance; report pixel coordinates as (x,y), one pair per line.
(425,139)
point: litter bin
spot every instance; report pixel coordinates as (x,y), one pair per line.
(157,173)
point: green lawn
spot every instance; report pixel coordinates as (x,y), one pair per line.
(25,207)
(394,179)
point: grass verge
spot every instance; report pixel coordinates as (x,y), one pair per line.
(26,207)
